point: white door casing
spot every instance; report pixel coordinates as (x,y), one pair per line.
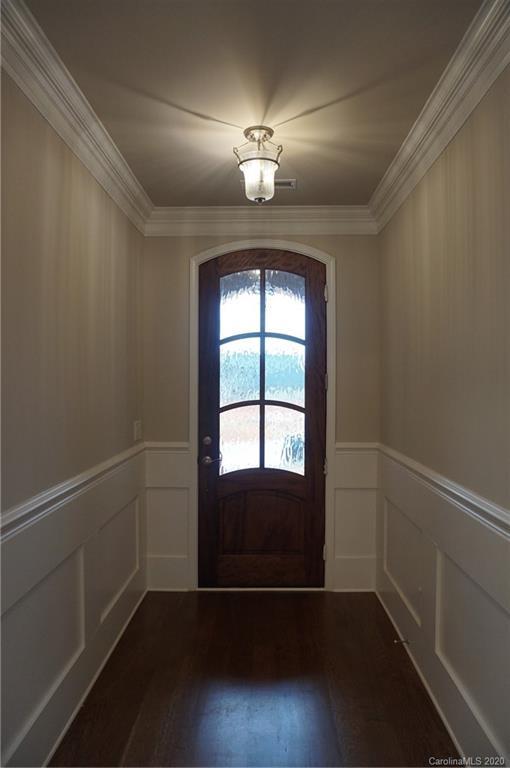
(196,261)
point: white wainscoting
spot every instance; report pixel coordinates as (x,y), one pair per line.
(171,533)
(170,476)
(443,576)
(72,576)
(353,552)
(73,562)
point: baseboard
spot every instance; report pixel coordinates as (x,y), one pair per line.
(66,579)
(442,521)
(451,603)
(260,589)
(92,682)
(422,677)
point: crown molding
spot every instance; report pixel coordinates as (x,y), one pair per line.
(269,220)
(32,62)
(34,65)
(481,56)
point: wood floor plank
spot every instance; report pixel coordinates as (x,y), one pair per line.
(257,679)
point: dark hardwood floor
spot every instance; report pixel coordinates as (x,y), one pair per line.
(257,679)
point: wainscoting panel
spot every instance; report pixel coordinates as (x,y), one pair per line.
(354,544)
(466,617)
(356,467)
(72,575)
(74,571)
(170,545)
(170,473)
(46,624)
(403,555)
(168,465)
(443,564)
(112,557)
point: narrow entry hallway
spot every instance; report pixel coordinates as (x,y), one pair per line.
(255,396)
(257,679)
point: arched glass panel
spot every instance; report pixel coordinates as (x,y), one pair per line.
(239,438)
(285,439)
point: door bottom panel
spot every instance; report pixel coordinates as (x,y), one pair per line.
(261,571)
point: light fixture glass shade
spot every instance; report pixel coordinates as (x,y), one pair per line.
(258,160)
(259,179)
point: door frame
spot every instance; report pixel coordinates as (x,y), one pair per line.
(329,261)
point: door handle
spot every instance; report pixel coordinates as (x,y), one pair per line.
(208,460)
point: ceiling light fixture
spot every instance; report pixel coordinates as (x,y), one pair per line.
(258,160)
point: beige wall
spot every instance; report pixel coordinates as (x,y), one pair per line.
(445,276)
(71,361)
(166,333)
(72,264)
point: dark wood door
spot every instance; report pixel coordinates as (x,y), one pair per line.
(262,420)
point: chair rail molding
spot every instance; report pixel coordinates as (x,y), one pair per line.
(393,525)
(481,56)
(442,576)
(471,502)
(73,573)
(42,503)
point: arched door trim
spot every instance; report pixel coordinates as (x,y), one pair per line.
(329,261)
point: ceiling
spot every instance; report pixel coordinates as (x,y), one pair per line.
(175,82)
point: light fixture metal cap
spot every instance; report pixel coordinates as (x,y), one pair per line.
(258,133)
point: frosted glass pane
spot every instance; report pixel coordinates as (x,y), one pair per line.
(239,438)
(285,439)
(285,303)
(285,371)
(240,303)
(239,371)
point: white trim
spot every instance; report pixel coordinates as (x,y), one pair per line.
(260,589)
(34,65)
(481,56)
(329,261)
(43,502)
(470,501)
(449,668)
(343,447)
(421,676)
(166,446)
(91,684)
(30,59)
(249,221)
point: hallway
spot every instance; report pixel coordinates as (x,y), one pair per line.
(257,679)
(255,336)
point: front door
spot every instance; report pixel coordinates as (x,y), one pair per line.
(262,420)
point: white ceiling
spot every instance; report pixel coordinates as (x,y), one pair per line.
(176,81)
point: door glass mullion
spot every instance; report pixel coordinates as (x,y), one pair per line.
(262,387)
(262,361)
